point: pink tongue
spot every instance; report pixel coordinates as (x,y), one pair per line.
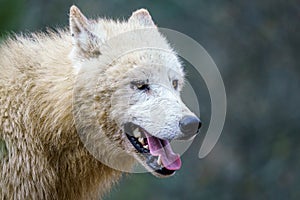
(170,160)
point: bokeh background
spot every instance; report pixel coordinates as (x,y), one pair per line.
(256,46)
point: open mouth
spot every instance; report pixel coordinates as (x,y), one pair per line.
(155,154)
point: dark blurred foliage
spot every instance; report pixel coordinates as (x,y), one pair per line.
(256,46)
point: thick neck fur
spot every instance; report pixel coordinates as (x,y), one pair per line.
(36,87)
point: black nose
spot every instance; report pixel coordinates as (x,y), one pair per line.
(189,125)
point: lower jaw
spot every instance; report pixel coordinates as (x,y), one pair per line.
(152,167)
(143,155)
(161,172)
(164,173)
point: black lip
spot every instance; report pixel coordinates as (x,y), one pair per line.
(137,144)
(165,171)
(150,159)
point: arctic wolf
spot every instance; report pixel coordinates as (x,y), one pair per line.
(79,106)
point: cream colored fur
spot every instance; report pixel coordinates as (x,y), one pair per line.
(43,75)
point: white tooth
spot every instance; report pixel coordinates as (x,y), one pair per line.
(141,140)
(146,146)
(136,133)
(159,160)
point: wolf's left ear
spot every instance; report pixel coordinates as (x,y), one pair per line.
(85,42)
(143,17)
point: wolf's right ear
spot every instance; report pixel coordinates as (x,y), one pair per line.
(142,17)
(85,42)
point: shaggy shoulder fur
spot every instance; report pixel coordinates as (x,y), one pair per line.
(45,158)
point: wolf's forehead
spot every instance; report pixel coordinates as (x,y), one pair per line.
(157,62)
(156,73)
(126,35)
(139,48)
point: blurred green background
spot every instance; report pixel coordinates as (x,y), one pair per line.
(256,46)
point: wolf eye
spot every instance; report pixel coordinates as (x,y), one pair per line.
(175,84)
(142,86)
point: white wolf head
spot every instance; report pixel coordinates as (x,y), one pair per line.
(136,79)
